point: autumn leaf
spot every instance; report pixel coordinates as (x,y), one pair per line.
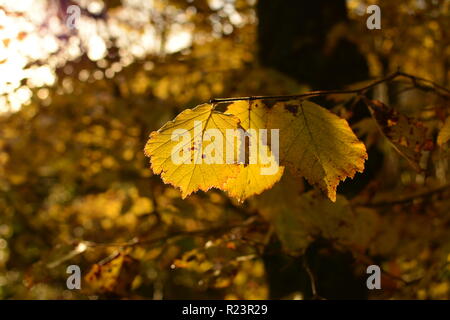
(198,162)
(250,180)
(368,129)
(299,218)
(407,135)
(314,142)
(444,134)
(317,144)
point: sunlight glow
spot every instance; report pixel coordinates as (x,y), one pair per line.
(35,40)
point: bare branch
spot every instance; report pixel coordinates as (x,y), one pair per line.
(408,198)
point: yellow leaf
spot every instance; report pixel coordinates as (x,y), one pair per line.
(198,162)
(251,180)
(317,144)
(444,134)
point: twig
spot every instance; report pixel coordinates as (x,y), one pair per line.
(312,278)
(136,242)
(406,199)
(367,260)
(432,85)
(81,246)
(307,94)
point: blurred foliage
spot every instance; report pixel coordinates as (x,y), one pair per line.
(76,188)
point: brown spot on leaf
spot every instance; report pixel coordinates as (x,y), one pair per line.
(292,108)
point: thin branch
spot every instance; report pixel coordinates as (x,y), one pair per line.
(431,86)
(416,79)
(408,198)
